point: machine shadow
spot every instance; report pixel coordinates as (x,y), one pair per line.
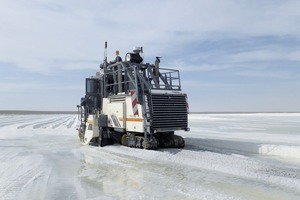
(227,147)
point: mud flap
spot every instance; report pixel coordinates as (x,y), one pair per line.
(104,137)
(81,130)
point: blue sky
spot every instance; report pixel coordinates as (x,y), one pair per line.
(233,55)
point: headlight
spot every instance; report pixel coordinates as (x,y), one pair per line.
(133,57)
(127,57)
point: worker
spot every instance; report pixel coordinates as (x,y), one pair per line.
(117,59)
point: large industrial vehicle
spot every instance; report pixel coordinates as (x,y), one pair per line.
(133,103)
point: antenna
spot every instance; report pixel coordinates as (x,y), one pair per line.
(105,54)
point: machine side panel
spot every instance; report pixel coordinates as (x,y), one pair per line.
(120,115)
(113,110)
(134,123)
(92,129)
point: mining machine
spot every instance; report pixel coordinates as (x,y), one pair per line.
(133,103)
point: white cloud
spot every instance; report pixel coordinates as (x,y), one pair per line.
(270,74)
(265,55)
(294,56)
(197,68)
(35,32)
(13,86)
(198,84)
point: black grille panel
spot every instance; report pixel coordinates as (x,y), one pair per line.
(169,112)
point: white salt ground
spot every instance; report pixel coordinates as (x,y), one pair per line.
(227,156)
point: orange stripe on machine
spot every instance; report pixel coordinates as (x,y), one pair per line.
(131,119)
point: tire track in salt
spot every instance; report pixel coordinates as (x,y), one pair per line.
(72,122)
(38,123)
(63,121)
(13,121)
(47,123)
(15,178)
(12,187)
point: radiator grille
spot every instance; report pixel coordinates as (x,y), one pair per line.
(169,112)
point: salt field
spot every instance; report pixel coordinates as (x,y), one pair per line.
(227,156)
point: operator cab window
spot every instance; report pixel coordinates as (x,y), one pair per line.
(91,86)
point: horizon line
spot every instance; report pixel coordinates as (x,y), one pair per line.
(193,112)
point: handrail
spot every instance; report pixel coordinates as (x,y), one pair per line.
(135,74)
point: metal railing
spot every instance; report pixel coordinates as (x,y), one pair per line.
(124,76)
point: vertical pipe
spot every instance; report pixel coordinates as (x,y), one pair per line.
(136,83)
(120,78)
(142,54)
(78,113)
(144,113)
(124,115)
(156,70)
(157,61)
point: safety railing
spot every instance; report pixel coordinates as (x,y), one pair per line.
(125,76)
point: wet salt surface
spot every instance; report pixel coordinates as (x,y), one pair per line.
(226,157)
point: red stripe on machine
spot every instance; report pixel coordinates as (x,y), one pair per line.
(134,102)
